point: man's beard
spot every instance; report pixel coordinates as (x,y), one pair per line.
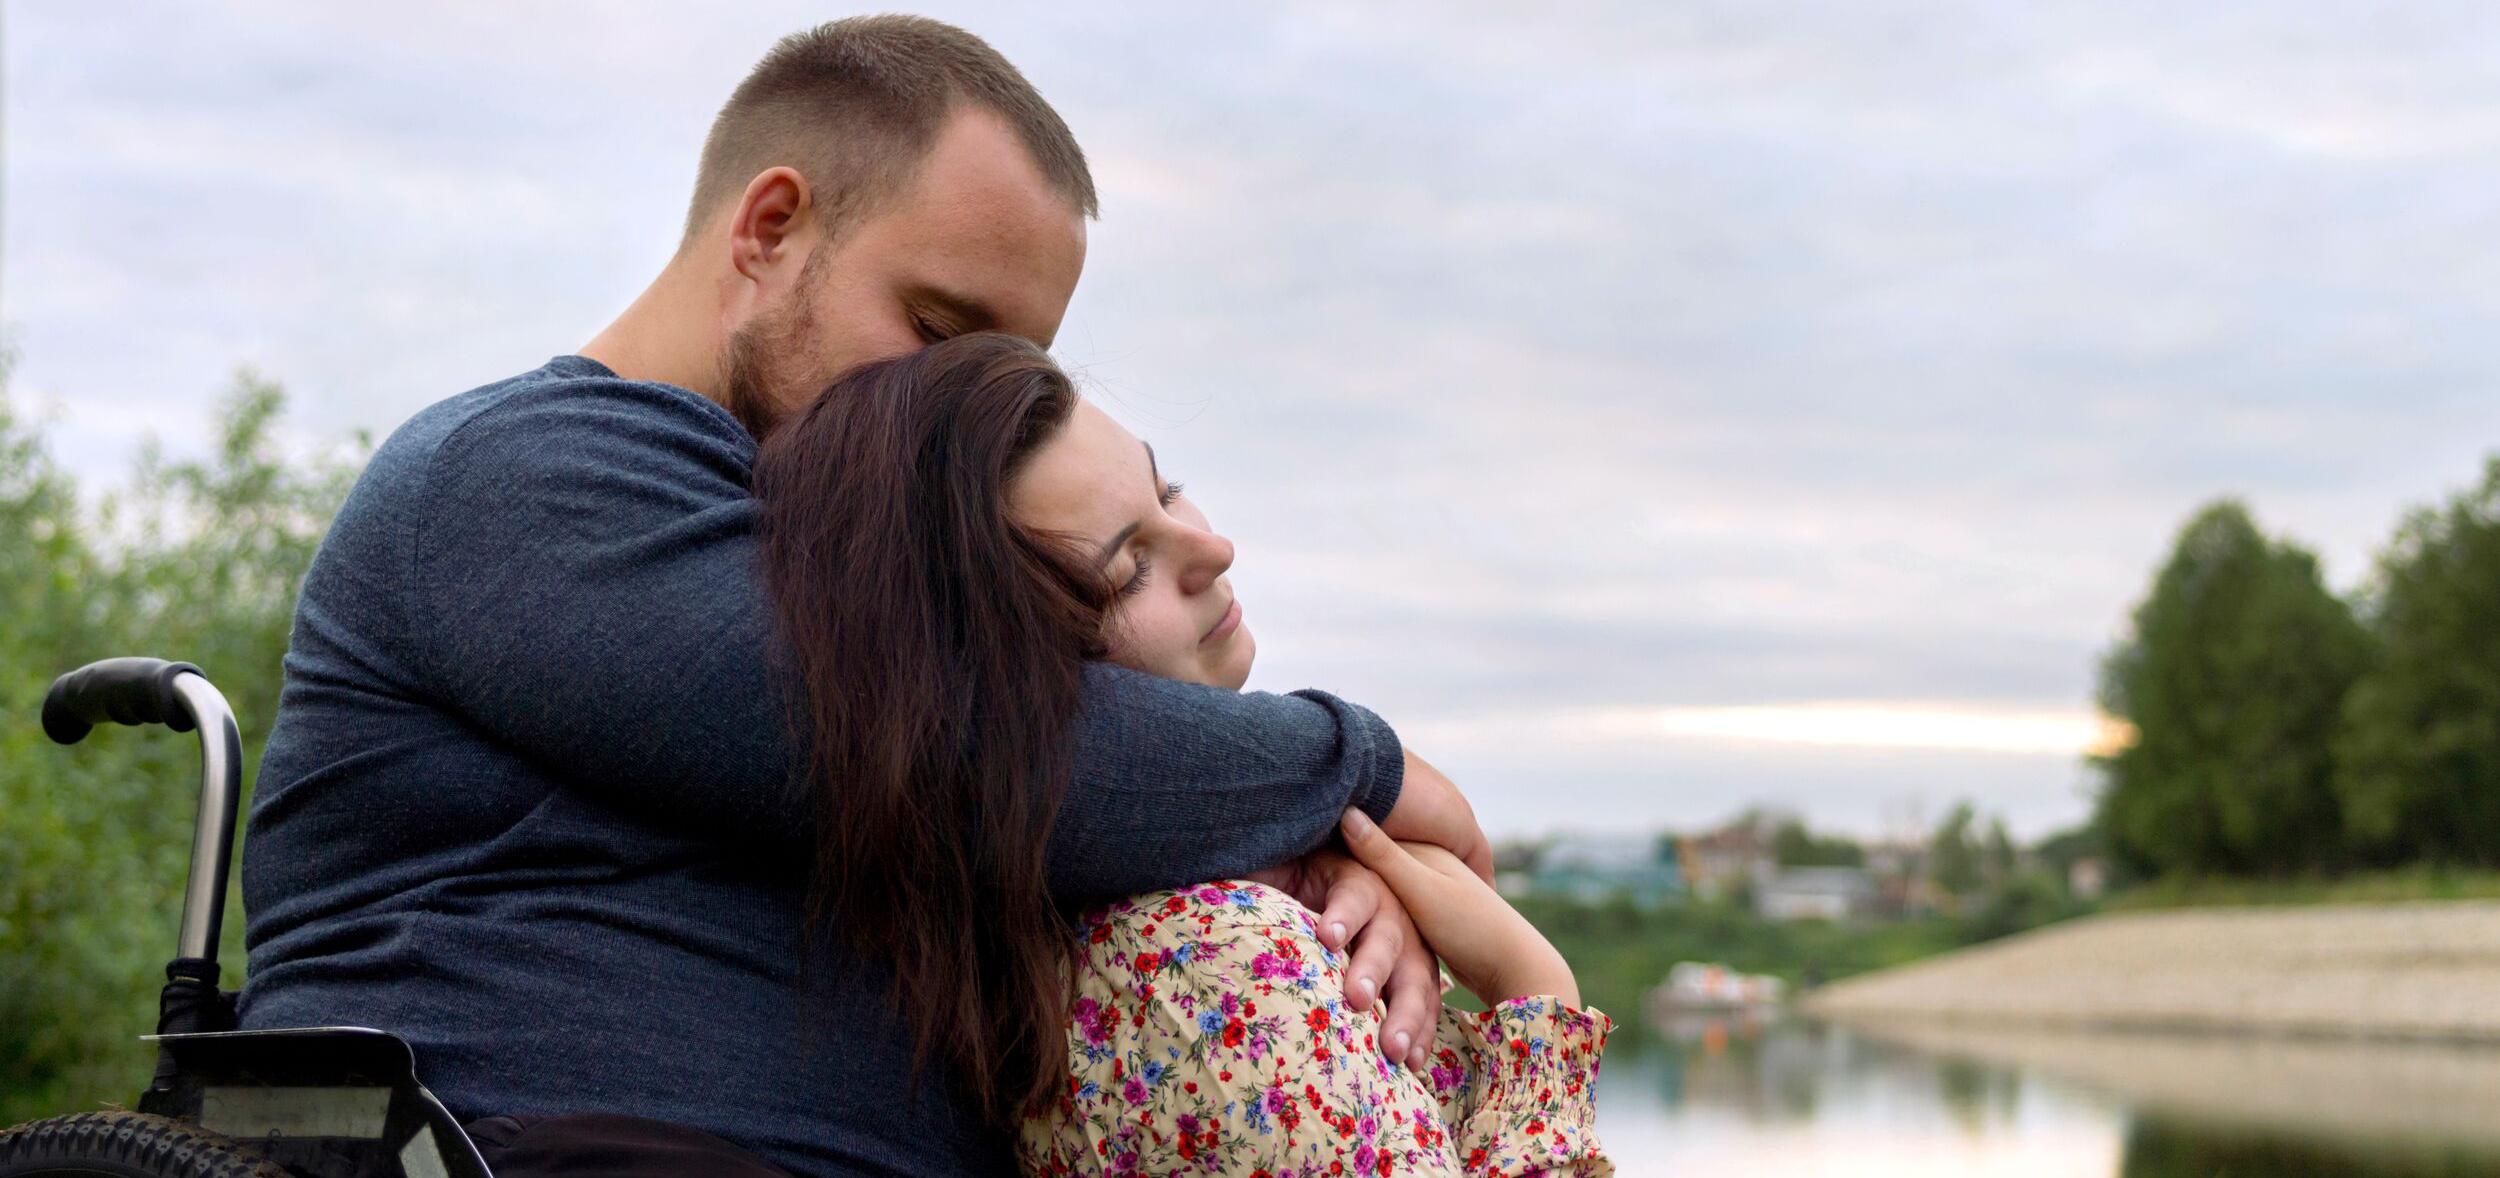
(767,359)
(772,362)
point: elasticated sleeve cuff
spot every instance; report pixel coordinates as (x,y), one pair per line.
(1538,1110)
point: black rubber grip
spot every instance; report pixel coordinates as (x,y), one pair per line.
(120,691)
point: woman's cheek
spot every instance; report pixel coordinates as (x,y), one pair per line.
(1175,646)
(1135,640)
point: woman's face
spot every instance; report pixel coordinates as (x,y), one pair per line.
(1175,616)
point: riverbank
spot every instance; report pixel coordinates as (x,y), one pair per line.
(2419,971)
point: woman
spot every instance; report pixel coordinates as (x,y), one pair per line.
(948,537)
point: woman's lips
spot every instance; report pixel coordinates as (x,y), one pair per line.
(1224,626)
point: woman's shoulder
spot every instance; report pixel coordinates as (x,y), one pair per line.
(1221,935)
(1225,905)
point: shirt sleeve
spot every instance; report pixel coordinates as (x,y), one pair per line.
(583,589)
(1515,1085)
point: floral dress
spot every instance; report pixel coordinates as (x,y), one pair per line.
(1211,1036)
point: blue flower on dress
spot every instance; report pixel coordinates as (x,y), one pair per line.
(1210,1021)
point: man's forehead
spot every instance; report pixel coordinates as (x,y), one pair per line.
(1012,281)
(982,224)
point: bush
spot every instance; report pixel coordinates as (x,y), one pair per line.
(197,561)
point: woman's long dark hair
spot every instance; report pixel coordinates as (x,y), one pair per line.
(941,647)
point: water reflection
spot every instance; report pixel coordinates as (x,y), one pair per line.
(1704,1094)
(2158,1147)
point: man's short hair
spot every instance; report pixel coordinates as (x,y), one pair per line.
(855,106)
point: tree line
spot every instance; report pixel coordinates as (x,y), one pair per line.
(2281,729)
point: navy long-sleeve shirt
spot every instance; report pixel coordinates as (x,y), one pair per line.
(529,800)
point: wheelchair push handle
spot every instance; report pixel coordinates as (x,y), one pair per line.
(118,691)
(178,696)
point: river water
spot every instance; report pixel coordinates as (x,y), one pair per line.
(1791,1098)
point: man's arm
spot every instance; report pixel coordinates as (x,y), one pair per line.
(585,587)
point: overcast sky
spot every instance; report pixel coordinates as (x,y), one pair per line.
(1651,409)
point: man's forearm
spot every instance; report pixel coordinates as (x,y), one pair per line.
(1177,782)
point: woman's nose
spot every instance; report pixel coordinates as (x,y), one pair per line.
(1209,556)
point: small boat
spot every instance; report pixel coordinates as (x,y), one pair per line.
(1696,986)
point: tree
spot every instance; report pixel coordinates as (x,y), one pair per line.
(2419,753)
(1792,845)
(2233,675)
(197,561)
(1953,855)
(1999,859)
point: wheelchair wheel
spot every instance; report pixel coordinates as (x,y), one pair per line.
(124,1145)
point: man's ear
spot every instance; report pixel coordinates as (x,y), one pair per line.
(769,228)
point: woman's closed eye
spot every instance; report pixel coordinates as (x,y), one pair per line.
(1137,580)
(1171,491)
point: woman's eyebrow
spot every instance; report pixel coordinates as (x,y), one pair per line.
(1111,548)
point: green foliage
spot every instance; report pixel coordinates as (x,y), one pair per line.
(1792,845)
(2419,881)
(1619,951)
(2059,851)
(2170,1146)
(2419,772)
(197,561)
(1953,861)
(2234,674)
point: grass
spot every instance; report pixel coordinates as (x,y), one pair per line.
(1619,951)
(2419,882)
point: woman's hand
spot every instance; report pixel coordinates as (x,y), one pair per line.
(1388,963)
(1489,947)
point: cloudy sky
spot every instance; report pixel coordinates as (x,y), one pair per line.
(1652,409)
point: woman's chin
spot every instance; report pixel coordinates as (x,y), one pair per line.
(1233,665)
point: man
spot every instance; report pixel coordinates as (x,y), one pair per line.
(529,801)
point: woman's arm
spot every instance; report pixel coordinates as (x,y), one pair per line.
(1489,947)
(1211,1035)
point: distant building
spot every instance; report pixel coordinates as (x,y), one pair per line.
(1899,868)
(1813,893)
(1598,867)
(1718,863)
(1514,868)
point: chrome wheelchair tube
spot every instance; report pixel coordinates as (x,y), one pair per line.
(212,839)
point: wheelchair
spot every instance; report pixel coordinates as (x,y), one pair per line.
(304,1102)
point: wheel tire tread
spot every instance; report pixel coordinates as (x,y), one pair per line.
(137,1141)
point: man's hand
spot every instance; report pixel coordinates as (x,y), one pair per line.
(1431,810)
(1356,907)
